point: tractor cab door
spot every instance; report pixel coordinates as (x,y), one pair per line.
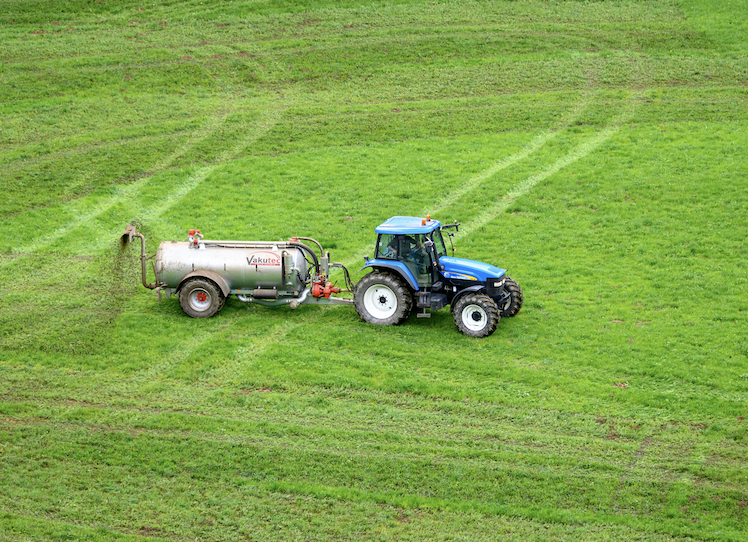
(413,251)
(439,247)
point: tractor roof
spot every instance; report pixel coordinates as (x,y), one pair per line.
(407,224)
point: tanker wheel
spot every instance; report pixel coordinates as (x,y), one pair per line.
(382,299)
(476,315)
(200,298)
(513,303)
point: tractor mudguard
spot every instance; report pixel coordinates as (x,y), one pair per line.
(398,267)
(469,289)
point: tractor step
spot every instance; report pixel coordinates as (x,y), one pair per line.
(429,300)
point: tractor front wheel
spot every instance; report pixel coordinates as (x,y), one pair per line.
(476,315)
(382,299)
(513,303)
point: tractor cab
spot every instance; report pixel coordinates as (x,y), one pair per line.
(407,244)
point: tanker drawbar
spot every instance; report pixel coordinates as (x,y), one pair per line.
(205,273)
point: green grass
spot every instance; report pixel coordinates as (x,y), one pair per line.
(595,149)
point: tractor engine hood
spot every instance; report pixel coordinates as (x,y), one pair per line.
(462,269)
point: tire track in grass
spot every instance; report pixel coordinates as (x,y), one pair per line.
(535,144)
(474,182)
(231,366)
(127,192)
(526,185)
(265,123)
(243,356)
(184,349)
(130,192)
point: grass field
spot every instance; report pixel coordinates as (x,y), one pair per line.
(596,149)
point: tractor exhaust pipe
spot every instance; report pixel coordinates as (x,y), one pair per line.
(125,239)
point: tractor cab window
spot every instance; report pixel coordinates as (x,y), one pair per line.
(402,247)
(441,249)
(387,247)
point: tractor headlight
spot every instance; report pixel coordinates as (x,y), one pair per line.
(494,286)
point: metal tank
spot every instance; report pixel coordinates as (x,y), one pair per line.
(243,266)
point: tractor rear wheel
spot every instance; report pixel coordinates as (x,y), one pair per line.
(382,299)
(476,315)
(200,298)
(513,304)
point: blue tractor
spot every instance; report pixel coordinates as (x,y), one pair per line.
(411,269)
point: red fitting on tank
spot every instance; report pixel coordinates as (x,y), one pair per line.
(194,237)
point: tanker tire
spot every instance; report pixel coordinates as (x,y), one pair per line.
(476,315)
(511,306)
(200,298)
(382,299)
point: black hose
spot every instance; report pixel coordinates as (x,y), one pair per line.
(321,250)
(348,280)
(305,248)
(347,275)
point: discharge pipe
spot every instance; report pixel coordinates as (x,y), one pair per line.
(125,239)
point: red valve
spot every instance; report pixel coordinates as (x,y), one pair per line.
(194,238)
(318,290)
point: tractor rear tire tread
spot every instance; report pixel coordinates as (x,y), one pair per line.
(401,295)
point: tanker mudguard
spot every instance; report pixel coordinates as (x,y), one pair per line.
(398,267)
(205,273)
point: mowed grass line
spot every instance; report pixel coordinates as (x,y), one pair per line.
(492,211)
(222,428)
(130,192)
